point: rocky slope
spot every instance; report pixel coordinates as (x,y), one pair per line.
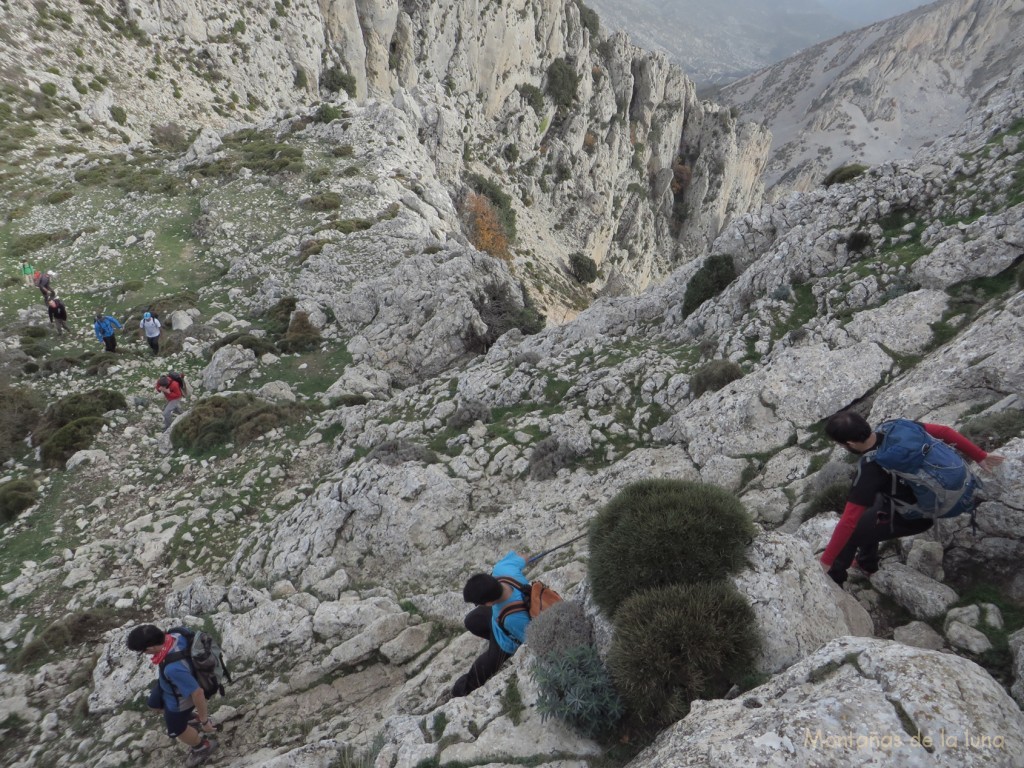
(883,92)
(328,543)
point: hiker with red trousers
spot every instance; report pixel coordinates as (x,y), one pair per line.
(884,504)
(505,634)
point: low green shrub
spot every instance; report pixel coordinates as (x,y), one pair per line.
(279,316)
(77,628)
(323,201)
(119,115)
(844,173)
(19,414)
(15,497)
(242,339)
(69,439)
(713,376)
(344,150)
(858,241)
(589,19)
(238,418)
(993,430)
(301,335)
(80,405)
(395,452)
(655,533)
(34,332)
(831,498)
(468,413)
(500,312)
(576,688)
(336,79)
(327,113)
(59,196)
(549,456)
(130,286)
(707,282)
(1020,276)
(679,643)
(533,96)
(583,268)
(22,245)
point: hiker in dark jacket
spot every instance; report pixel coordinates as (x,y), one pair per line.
(44,285)
(176,692)
(58,315)
(872,507)
(503,636)
(104,329)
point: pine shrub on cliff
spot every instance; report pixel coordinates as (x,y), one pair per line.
(708,281)
(655,533)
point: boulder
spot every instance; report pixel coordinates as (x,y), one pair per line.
(919,635)
(226,365)
(925,598)
(857,701)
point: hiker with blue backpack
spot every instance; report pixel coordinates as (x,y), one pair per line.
(909,475)
(190,670)
(104,329)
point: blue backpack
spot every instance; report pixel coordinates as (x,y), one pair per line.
(942,483)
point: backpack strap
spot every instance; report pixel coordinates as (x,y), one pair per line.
(516,606)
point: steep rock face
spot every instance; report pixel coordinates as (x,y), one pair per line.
(882,92)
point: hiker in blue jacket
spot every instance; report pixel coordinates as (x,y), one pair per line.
(104,329)
(504,634)
(176,692)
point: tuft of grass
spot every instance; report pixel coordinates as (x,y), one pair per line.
(713,376)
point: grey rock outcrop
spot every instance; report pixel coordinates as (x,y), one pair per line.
(854,699)
(226,365)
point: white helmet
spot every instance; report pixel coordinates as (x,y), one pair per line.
(51,274)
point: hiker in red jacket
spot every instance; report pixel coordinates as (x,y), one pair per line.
(880,504)
(171,391)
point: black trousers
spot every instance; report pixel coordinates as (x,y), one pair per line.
(487,664)
(877,524)
(154,343)
(110,342)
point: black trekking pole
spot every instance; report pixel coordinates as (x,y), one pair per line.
(535,558)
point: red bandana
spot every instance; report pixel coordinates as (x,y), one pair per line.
(160,655)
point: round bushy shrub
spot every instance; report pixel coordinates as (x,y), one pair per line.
(858,241)
(238,418)
(467,414)
(549,456)
(708,281)
(713,376)
(660,532)
(301,336)
(15,497)
(279,316)
(69,439)
(258,345)
(575,687)
(679,643)
(81,405)
(559,629)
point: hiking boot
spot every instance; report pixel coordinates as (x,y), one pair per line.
(199,755)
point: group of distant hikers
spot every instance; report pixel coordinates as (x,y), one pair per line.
(171,385)
(909,474)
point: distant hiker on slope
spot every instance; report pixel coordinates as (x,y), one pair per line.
(906,478)
(44,285)
(504,634)
(150,325)
(104,329)
(26,273)
(170,385)
(58,315)
(176,692)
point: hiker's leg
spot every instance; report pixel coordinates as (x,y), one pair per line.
(862,539)
(109,343)
(154,343)
(478,621)
(888,525)
(169,411)
(178,727)
(484,668)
